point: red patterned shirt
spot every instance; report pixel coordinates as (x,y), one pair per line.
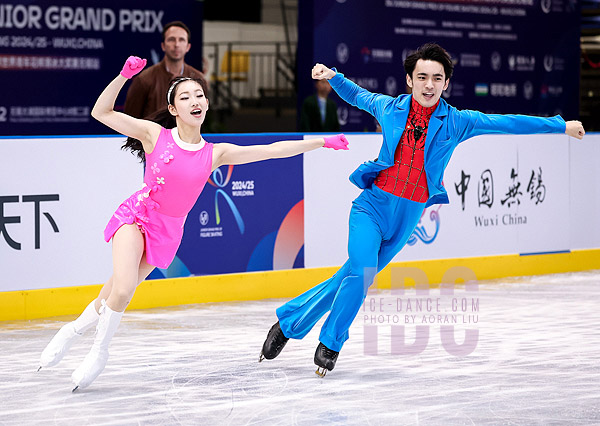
(406,178)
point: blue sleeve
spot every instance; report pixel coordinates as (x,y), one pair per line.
(373,103)
(473,123)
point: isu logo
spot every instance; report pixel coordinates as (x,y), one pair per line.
(204,218)
(548,63)
(342,53)
(391,86)
(496,61)
(546,5)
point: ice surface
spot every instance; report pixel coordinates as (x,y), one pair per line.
(536,361)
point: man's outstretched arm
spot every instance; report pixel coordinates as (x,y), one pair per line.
(373,103)
(470,123)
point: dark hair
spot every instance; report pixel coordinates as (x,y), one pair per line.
(162,116)
(175,82)
(176,24)
(429,52)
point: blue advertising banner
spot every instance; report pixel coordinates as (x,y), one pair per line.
(248,218)
(56,57)
(507,60)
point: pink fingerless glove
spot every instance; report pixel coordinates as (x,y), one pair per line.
(336,142)
(133,65)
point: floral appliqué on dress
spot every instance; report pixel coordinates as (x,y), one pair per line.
(166,157)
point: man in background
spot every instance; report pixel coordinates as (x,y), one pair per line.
(319,113)
(147,92)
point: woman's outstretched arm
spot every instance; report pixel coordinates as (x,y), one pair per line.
(225,153)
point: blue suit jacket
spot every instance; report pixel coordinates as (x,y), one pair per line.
(447,128)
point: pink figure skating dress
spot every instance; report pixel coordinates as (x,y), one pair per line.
(176,173)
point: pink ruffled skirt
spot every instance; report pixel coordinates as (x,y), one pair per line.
(162,233)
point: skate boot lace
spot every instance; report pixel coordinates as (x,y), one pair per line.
(328,353)
(102,317)
(279,338)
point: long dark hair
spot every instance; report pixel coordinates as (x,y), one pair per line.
(162,116)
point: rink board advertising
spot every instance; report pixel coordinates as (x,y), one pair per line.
(508,195)
(249,217)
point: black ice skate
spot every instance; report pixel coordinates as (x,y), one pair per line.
(325,359)
(274,343)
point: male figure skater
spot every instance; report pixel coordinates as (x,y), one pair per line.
(420,132)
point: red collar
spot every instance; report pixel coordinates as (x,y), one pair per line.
(418,109)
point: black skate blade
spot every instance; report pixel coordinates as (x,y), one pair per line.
(321,372)
(39,368)
(74,389)
(261,357)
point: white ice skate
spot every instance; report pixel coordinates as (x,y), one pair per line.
(96,359)
(67,335)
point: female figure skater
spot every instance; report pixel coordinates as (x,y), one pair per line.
(147,228)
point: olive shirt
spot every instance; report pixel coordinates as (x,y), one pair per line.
(148,91)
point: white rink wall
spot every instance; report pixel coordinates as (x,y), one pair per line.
(584,160)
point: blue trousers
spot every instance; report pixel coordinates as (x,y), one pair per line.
(380,225)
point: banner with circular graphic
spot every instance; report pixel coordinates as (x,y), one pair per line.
(248,218)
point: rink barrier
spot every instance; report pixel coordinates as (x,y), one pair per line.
(44,303)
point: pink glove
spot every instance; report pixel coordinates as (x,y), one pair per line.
(133,65)
(336,142)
